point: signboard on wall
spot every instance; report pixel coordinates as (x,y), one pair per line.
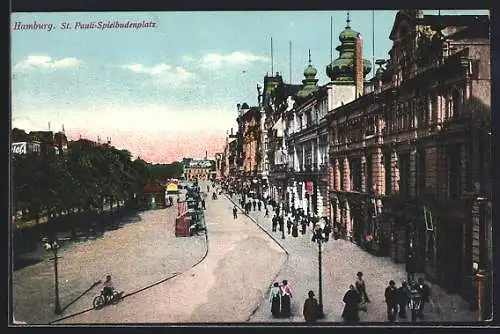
(19,148)
(309,187)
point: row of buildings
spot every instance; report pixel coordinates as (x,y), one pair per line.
(402,159)
(42,142)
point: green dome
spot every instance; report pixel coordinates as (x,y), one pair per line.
(310,83)
(310,71)
(348,34)
(342,68)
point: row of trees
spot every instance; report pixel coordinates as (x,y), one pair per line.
(84,178)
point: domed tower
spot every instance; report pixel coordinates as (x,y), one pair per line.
(310,83)
(343,69)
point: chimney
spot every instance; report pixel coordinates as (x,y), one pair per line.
(358,67)
(206,155)
(238,106)
(231,131)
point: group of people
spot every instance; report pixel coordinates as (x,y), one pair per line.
(355,300)
(397,299)
(280,298)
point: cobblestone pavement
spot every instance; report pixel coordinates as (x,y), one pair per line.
(137,254)
(226,286)
(341,261)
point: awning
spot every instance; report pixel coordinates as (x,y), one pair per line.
(172,187)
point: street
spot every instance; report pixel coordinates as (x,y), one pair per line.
(341,261)
(138,254)
(230,285)
(226,286)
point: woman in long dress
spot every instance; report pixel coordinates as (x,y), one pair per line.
(351,300)
(275,299)
(286,295)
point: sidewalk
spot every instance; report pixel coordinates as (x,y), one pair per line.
(341,261)
(137,255)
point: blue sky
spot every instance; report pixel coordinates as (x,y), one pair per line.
(177,83)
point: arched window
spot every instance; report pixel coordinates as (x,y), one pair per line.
(455,103)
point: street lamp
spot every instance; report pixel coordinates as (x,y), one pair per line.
(54,246)
(319,237)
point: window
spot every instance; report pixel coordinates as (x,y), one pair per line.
(421,112)
(388,173)
(341,169)
(356,174)
(454,175)
(309,118)
(420,172)
(404,173)
(455,103)
(433,108)
(369,173)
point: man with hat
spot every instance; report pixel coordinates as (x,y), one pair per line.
(311,308)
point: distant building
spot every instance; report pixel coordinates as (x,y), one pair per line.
(42,142)
(199,169)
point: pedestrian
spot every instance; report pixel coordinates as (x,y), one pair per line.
(351,300)
(327,229)
(289,224)
(275,222)
(361,287)
(336,231)
(259,204)
(303,225)
(203,204)
(311,308)
(281,223)
(403,299)
(295,230)
(391,301)
(424,291)
(286,295)
(254,204)
(410,267)
(275,299)
(235,212)
(266,213)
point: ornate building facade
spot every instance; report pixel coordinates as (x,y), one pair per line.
(410,163)
(249,119)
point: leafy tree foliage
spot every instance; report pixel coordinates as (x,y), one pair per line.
(82,179)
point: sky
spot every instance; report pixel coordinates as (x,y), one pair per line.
(168,91)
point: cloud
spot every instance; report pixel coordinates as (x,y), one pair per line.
(216,60)
(33,62)
(163,73)
(157,69)
(188,59)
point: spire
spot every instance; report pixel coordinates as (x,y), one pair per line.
(348,20)
(309,82)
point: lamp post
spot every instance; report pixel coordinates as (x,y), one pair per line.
(54,246)
(319,238)
(480,277)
